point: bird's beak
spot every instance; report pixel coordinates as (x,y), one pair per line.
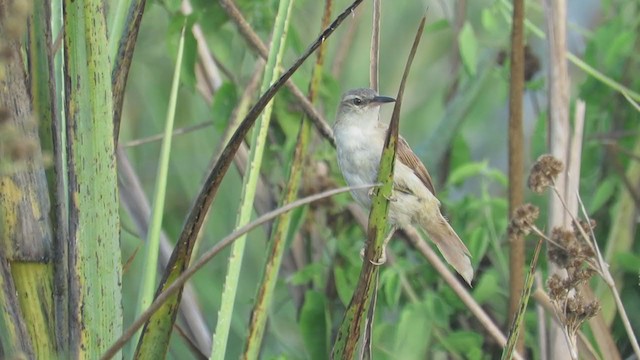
(382,99)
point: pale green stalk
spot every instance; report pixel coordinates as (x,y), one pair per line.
(258,140)
(94,238)
(148,284)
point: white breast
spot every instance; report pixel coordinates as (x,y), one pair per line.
(358,157)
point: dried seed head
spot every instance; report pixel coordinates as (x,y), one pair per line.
(557,290)
(523,220)
(591,309)
(544,172)
(586,226)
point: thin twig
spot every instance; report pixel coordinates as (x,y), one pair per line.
(160,136)
(374,54)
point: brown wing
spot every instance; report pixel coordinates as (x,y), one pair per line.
(407,157)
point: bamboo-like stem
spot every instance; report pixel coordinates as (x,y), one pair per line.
(44,102)
(94,230)
(516,163)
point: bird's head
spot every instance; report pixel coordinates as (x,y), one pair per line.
(360,105)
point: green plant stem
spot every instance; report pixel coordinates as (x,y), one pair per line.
(258,142)
(148,283)
(94,237)
(516,324)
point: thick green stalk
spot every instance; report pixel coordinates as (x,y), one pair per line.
(258,141)
(94,236)
(278,240)
(148,284)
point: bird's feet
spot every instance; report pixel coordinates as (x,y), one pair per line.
(380,261)
(390,198)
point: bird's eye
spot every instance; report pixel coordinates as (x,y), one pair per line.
(357,101)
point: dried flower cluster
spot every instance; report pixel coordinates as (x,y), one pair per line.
(544,172)
(572,252)
(523,220)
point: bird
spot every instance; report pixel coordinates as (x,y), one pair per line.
(359,136)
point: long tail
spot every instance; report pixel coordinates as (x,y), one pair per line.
(450,245)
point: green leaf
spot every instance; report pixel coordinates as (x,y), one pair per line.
(190,52)
(438,309)
(466,171)
(437,26)
(172,6)
(390,283)
(314,325)
(487,288)
(489,20)
(478,243)
(468,48)
(628,261)
(464,341)
(344,285)
(413,333)
(604,192)
(223,104)
(306,274)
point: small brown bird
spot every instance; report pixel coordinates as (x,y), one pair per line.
(359,139)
